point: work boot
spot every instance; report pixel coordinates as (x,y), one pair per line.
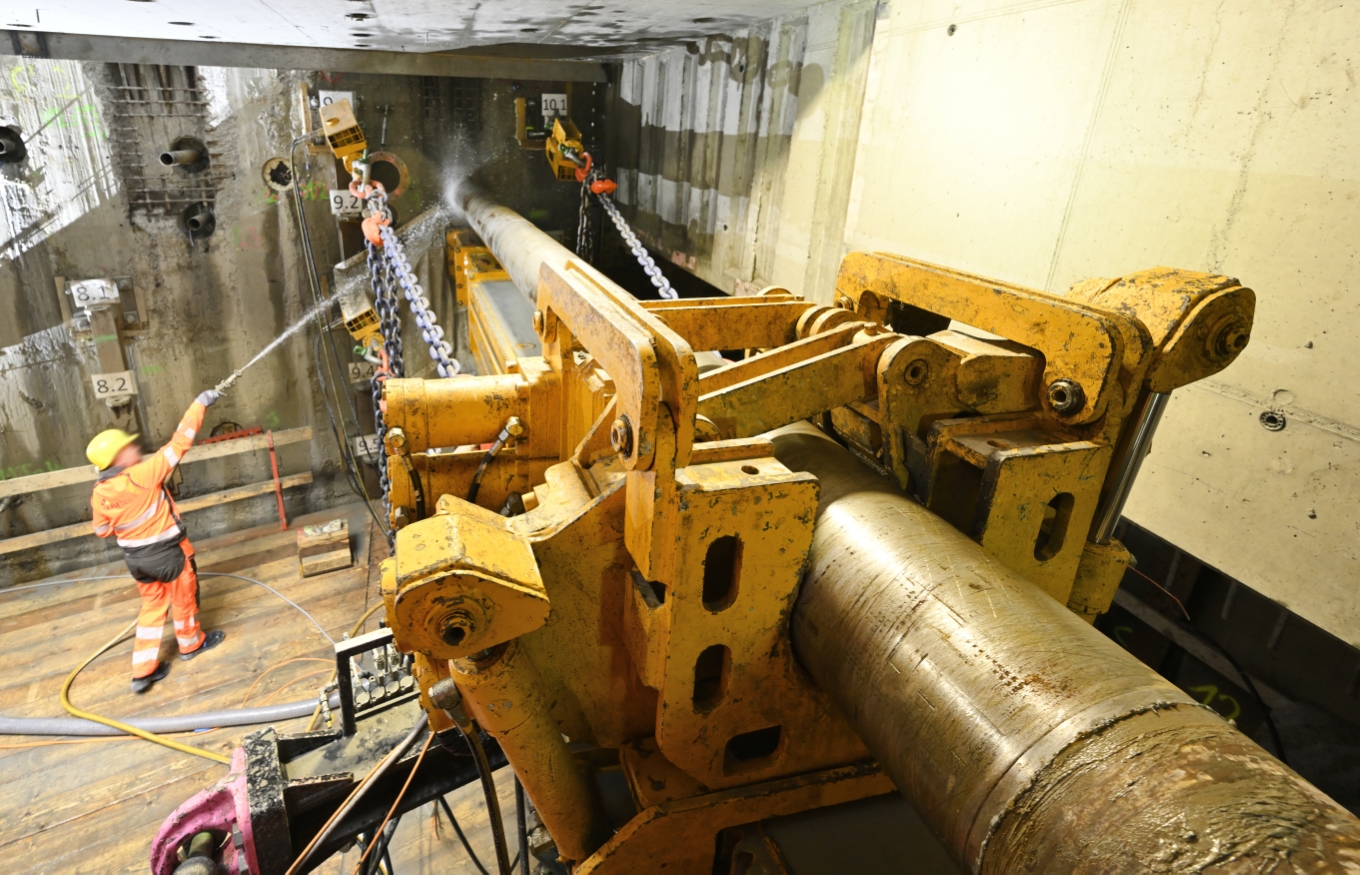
(211,640)
(141,685)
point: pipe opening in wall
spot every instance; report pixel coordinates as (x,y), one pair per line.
(1053,530)
(711,671)
(185,155)
(12,147)
(722,568)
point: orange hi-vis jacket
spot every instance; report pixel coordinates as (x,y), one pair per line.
(132,503)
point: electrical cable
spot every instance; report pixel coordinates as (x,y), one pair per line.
(397,801)
(493,804)
(359,789)
(381,841)
(261,583)
(467,846)
(278,666)
(522,822)
(129,728)
(118,724)
(1246,678)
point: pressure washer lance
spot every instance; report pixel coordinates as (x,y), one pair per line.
(226,384)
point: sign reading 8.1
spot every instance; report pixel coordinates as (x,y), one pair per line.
(93,293)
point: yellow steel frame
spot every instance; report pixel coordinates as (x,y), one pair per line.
(639,607)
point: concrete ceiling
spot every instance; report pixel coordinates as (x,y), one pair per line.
(531,28)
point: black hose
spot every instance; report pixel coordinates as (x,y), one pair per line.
(381,842)
(1251,688)
(522,821)
(491,454)
(467,846)
(493,804)
(416,486)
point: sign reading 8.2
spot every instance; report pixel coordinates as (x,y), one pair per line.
(113,385)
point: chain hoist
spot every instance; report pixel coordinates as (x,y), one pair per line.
(389,270)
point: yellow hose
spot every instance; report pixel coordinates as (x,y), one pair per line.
(131,730)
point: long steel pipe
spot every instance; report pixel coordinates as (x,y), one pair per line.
(1028,741)
(521,248)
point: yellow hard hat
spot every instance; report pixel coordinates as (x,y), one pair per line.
(106,445)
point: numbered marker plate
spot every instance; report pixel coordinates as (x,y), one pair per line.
(343,203)
(329,97)
(92,293)
(113,385)
(553,106)
(366,448)
(361,372)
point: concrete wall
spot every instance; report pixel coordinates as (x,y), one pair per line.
(1046,142)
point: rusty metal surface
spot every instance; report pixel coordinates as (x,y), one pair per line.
(1003,716)
(1079,342)
(508,698)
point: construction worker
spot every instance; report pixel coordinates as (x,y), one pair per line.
(131,504)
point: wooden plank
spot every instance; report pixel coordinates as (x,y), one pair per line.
(203,452)
(200,453)
(198,502)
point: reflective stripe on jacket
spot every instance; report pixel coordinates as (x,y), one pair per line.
(132,503)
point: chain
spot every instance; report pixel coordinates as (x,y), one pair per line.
(389,270)
(440,349)
(584,229)
(644,258)
(385,303)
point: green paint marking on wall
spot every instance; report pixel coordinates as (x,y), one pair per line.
(272,420)
(104,338)
(148,370)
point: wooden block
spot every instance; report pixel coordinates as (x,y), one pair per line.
(323,547)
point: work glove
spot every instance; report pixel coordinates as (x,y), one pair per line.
(208,397)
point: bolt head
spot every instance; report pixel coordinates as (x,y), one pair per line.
(1066,397)
(621,436)
(1230,340)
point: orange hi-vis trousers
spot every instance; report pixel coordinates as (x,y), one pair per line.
(179,596)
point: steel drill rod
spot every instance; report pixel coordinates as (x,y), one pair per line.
(1028,741)
(521,248)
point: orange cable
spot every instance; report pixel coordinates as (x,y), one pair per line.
(274,695)
(377,833)
(1165,590)
(281,665)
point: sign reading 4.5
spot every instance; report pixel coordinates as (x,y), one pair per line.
(113,385)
